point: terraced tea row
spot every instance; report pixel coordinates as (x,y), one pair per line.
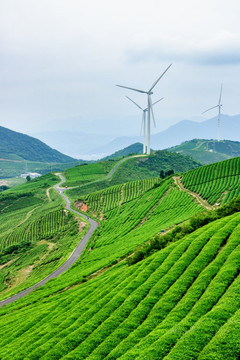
(36,238)
(135,222)
(43,228)
(216,182)
(106,200)
(174,305)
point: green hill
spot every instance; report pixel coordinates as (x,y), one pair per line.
(179,301)
(17,146)
(134,169)
(208,151)
(136,148)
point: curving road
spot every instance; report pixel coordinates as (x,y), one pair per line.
(72,258)
(109,175)
(81,245)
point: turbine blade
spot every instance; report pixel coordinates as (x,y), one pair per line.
(134,103)
(126,87)
(210,108)
(152,112)
(220,97)
(157,101)
(159,78)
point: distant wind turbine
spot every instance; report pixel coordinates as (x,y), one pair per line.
(143,126)
(150,110)
(219,106)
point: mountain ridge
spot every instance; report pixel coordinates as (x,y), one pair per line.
(96,146)
(17,146)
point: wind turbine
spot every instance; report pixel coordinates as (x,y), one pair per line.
(219,106)
(150,110)
(144,121)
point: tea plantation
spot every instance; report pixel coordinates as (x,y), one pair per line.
(180,301)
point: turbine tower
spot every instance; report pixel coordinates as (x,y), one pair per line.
(143,121)
(150,110)
(219,106)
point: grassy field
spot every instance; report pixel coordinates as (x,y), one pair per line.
(179,302)
(85,173)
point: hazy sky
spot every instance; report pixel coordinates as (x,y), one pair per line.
(60,61)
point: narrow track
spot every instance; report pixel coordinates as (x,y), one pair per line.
(81,245)
(109,175)
(204,203)
(72,258)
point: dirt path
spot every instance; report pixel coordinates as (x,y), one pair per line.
(27,216)
(201,201)
(8,263)
(48,194)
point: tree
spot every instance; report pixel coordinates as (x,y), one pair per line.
(162,176)
(28,178)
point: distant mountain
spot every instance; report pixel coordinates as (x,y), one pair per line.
(94,146)
(17,146)
(208,151)
(180,132)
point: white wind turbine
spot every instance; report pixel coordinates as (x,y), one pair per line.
(150,110)
(219,106)
(144,121)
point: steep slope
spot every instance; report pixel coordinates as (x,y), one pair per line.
(180,302)
(36,233)
(217,182)
(208,151)
(17,146)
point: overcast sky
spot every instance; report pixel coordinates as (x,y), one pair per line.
(60,61)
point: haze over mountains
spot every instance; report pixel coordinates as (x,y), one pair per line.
(95,146)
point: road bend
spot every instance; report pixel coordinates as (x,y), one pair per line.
(82,243)
(72,258)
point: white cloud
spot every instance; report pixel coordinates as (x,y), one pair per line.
(222,49)
(61,58)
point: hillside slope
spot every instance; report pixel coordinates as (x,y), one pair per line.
(180,302)
(134,169)
(36,233)
(17,146)
(217,182)
(136,148)
(208,151)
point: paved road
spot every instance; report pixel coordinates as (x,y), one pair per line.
(69,262)
(109,175)
(81,245)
